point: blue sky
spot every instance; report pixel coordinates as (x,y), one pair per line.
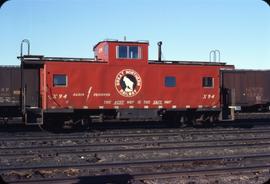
(189,29)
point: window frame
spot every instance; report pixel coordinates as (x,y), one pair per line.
(118,52)
(60,85)
(128,52)
(138,52)
(208,77)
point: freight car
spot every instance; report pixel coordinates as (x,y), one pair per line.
(120,83)
(9,92)
(245,92)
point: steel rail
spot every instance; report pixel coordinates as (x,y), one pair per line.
(151,143)
(121,150)
(201,132)
(143,163)
(145,130)
(153,175)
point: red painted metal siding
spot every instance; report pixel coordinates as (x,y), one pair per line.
(95,85)
(102,52)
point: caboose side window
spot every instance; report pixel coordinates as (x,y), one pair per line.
(170,81)
(208,82)
(128,52)
(59,80)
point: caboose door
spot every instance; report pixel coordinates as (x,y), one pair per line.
(30,90)
(31,87)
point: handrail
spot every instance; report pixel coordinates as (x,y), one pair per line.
(23,87)
(213,54)
(28,46)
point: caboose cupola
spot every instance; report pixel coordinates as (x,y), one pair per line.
(122,52)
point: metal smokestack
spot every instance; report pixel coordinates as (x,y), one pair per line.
(159,50)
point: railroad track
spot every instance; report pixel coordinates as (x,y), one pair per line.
(143,163)
(150,163)
(43,144)
(82,154)
(137,154)
(50,136)
(137,146)
(128,178)
(119,128)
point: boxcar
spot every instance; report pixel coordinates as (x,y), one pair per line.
(246,90)
(10,91)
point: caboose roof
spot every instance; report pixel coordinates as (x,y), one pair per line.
(40,59)
(33,59)
(174,62)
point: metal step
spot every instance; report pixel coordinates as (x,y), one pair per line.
(34,116)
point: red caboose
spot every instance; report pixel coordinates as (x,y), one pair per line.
(120,83)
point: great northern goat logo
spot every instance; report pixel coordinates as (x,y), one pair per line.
(128,83)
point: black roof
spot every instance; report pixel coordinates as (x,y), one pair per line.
(39,59)
(186,62)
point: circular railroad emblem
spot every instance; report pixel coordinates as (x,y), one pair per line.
(128,83)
